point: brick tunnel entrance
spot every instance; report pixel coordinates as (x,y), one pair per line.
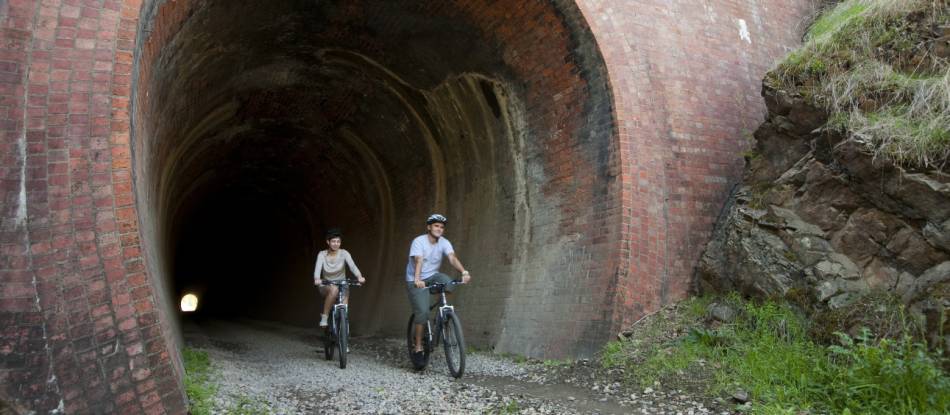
(158,146)
(257,127)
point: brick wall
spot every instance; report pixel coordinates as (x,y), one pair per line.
(686,77)
(80,330)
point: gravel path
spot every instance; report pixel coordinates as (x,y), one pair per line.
(280,369)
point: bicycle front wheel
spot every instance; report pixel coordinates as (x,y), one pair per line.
(343,337)
(454,343)
(329,343)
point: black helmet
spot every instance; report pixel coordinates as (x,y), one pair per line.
(435,217)
(334,233)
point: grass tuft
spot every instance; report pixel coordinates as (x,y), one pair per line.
(198,384)
(245,405)
(768,353)
(900,375)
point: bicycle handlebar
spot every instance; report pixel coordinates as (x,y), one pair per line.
(443,284)
(340,283)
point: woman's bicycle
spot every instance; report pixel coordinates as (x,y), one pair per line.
(338,329)
(448,330)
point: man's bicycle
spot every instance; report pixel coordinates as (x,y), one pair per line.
(338,329)
(448,330)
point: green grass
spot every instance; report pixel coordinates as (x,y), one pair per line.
(245,405)
(198,384)
(511,407)
(835,18)
(201,388)
(768,353)
(554,363)
(613,354)
(900,375)
(770,357)
(867,62)
(655,358)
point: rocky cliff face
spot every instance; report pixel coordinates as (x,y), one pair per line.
(816,215)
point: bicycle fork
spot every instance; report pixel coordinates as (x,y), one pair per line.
(444,311)
(338,308)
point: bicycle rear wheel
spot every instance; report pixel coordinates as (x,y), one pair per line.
(328,346)
(410,339)
(454,343)
(342,337)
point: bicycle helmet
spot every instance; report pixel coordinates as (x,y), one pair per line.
(435,217)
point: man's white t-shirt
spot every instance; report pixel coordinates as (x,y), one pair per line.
(431,254)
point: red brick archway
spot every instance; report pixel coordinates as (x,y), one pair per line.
(636,112)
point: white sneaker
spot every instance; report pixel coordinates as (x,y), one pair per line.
(323,320)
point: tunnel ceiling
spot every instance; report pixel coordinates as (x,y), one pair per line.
(257,125)
(270,97)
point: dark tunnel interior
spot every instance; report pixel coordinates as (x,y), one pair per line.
(258,125)
(272,123)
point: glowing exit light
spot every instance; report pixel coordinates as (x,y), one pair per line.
(189,303)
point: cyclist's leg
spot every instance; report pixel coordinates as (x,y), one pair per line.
(445,279)
(419,300)
(440,277)
(329,297)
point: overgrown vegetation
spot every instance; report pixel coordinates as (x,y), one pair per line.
(878,68)
(198,384)
(768,353)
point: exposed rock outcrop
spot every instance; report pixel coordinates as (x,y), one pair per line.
(817,214)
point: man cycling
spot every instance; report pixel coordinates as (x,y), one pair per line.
(425,258)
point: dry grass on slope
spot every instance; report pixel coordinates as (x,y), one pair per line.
(880,67)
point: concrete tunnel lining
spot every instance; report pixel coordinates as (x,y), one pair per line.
(255,129)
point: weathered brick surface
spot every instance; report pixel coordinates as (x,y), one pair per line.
(686,77)
(635,114)
(63,273)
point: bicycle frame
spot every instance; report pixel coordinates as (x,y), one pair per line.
(338,327)
(446,324)
(444,309)
(339,307)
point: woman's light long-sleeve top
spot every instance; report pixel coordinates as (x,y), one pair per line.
(334,269)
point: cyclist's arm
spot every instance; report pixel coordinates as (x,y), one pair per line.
(353,268)
(454,260)
(318,270)
(417,275)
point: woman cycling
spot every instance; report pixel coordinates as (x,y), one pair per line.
(331,265)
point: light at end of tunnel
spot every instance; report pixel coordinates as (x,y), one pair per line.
(189,303)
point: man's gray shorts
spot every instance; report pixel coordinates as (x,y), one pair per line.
(419,297)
